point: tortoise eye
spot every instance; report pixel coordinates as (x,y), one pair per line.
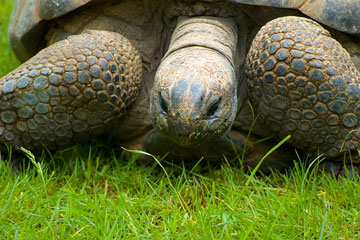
(213,108)
(163,104)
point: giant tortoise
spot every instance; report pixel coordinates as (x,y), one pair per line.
(183,76)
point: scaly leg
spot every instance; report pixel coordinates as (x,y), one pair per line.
(303,83)
(72,90)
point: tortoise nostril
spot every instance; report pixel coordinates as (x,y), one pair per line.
(163,104)
(213,108)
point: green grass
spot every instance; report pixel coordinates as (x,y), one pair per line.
(8,60)
(89,192)
(84,193)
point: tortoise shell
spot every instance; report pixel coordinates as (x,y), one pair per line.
(29,17)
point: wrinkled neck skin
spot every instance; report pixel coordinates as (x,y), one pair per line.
(194,97)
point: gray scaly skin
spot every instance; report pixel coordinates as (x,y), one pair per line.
(69,91)
(303,83)
(193,102)
(194,94)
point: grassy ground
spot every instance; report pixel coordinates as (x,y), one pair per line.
(89,192)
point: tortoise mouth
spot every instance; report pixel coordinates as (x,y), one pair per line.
(158,144)
(186,133)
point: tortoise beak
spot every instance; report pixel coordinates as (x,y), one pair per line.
(184,133)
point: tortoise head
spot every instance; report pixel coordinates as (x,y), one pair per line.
(194,97)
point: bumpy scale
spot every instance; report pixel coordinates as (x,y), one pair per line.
(303,83)
(71,90)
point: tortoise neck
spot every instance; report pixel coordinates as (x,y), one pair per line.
(194,96)
(214,33)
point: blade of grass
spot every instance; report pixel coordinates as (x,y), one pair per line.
(38,166)
(265,156)
(307,171)
(10,196)
(254,119)
(323,225)
(181,200)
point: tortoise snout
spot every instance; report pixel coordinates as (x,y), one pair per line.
(187,112)
(187,100)
(198,109)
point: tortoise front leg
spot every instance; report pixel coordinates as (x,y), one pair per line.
(303,83)
(74,89)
